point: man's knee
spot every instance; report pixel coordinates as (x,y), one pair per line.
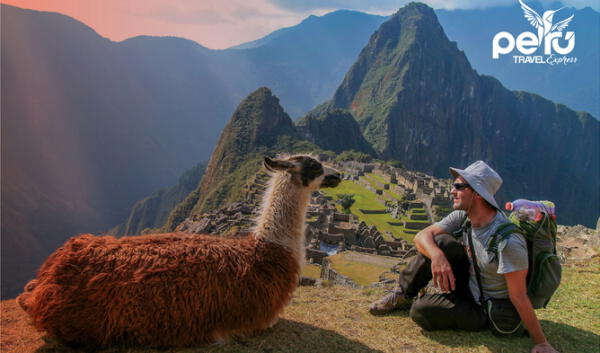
(422,313)
(451,247)
(438,312)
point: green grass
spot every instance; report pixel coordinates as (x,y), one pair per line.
(312,219)
(377,177)
(312,271)
(336,319)
(395,197)
(387,194)
(371,181)
(361,273)
(367,200)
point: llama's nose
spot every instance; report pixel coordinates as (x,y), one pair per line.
(331,180)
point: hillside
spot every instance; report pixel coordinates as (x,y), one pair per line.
(335,319)
(91,126)
(418,100)
(153,211)
(334,130)
(259,127)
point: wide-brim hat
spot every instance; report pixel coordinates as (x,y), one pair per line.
(481,178)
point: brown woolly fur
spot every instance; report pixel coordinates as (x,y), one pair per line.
(160,290)
(179,289)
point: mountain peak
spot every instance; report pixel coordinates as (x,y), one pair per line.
(409,44)
(260,118)
(257,126)
(418,100)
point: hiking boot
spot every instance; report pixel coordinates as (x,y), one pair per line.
(394,300)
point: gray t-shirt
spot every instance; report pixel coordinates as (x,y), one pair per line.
(512,254)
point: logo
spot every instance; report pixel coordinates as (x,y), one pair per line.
(552,40)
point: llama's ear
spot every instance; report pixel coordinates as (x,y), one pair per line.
(277,165)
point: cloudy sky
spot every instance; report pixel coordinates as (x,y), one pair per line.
(219,24)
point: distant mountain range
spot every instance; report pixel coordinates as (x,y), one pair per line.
(153,212)
(91,126)
(428,114)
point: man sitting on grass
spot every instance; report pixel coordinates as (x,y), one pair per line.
(443,258)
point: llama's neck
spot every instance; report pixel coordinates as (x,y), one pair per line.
(283,212)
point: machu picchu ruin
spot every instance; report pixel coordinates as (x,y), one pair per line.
(395,204)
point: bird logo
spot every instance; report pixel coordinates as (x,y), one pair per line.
(543,23)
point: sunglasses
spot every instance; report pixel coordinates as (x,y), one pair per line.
(460,186)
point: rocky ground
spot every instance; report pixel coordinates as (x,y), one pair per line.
(578,242)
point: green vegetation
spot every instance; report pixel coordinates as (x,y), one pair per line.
(346,201)
(353,156)
(312,271)
(335,319)
(378,178)
(367,200)
(312,218)
(334,130)
(388,194)
(230,186)
(393,163)
(181,211)
(361,273)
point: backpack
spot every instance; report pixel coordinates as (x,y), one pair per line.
(543,277)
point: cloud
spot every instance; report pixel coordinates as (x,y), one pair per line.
(388,6)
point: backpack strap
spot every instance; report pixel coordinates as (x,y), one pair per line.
(461,231)
(502,233)
(471,253)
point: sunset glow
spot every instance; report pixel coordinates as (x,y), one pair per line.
(222,24)
(214,24)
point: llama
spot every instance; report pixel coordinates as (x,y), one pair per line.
(176,289)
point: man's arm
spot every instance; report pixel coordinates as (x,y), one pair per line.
(517,292)
(441,270)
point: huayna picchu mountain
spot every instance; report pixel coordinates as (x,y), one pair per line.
(258,127)
(417,100)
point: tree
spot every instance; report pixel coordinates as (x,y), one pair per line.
(346,200)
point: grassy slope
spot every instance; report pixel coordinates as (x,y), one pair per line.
(361,273)
(366,200)
(312,271)
(335,319)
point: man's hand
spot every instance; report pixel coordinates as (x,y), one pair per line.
(543,348)
(443,277)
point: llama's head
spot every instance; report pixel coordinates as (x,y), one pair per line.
(305,171)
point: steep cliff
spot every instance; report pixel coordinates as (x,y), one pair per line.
(418,100)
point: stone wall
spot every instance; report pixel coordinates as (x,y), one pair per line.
(415,225)
(332,229)
(316,255)
(418,217)
(341,217)
(372,211)
(332,239)
(363,249)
